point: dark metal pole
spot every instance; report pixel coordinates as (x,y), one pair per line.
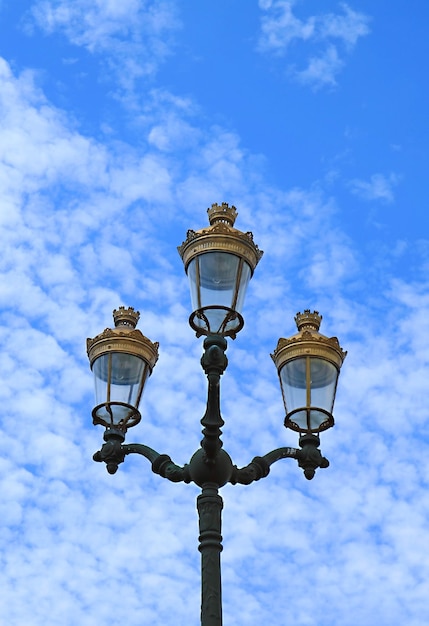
(214,363)
(209,505)
(213,476)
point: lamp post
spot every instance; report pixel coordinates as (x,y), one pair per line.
(219,261)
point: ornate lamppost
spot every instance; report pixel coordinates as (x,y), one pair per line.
(219,261)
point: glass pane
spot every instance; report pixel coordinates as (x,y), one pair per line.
(194,283)
(218,271)
(100,387)
(216,318)
(322,378)
(114,415)
(316,419)
(213,277)
(293,380)
(323,383)
(213,280)
(244,281)
(118,378)
(300,419)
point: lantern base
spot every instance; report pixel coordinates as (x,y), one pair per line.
(116,415)
(311,420)
(216,320)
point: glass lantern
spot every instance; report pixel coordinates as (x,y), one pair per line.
(121,359)
(219,261)
(308,365)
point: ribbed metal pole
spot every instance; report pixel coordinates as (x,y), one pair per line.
(209,505)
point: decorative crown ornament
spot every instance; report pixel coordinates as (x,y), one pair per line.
(222,213)
(220,236)
(126,317)
(308,320)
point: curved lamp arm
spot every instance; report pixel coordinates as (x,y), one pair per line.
(113,452)
(309,459)
(161,463)
(259,467)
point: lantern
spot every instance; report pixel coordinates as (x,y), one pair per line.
(121,359)
(308,365)
(219,261)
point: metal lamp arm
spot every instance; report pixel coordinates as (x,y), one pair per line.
(259,467)
(113,453)
(161,463)
(309,459)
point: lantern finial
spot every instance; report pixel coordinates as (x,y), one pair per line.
(126,317)
(308,320)
(223,213)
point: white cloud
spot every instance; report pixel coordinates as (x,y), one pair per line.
(131,36)
(280,27)
(348,27)
(87,226)
(328,38)
(321,70)
(379,187)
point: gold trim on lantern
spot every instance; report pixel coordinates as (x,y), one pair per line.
(308,342)
(220,236)
(123,338)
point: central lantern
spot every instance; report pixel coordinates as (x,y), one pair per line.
(219,261)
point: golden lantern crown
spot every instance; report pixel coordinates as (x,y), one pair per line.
(308,342)
(308,321)
(123,338)
(220,236)
(126,317)
(222,213)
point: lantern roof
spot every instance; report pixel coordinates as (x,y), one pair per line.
(220,236)
(123,338)
(308,342)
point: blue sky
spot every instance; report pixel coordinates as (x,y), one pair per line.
(120,123)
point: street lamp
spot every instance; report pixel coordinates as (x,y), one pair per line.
(219,261)
(308,365)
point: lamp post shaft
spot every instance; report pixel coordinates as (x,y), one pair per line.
(214,363)
(209,505)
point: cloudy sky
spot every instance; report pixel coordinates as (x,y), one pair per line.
(121,121)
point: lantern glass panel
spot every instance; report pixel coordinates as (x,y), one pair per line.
(308,383)
(119,377)
(293,379)
(323,380)
(245,277)
(218,279)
